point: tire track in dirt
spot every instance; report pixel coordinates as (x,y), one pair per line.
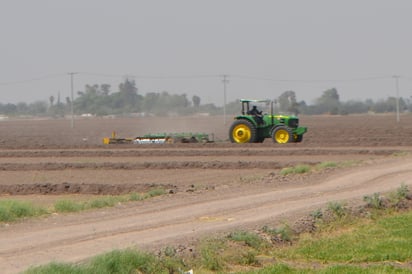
(147,224)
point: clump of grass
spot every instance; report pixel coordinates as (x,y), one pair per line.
(68,206)
(324,165)
(283,233)
(135,197)
(211,258)
(155,192)
(299,169)
(11,210)
(250,239)
(374,201)
(106,201)
(337,209)
(316,214)
(126,261)
(398,196)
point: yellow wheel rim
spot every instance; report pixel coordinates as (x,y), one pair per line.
(241,134)
(282,136)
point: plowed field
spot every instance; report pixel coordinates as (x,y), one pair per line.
(211,187)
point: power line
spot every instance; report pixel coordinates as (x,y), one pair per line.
(50,76)
(311,81)
(137,76)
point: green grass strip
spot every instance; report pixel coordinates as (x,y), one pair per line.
(11,210)
(388,239)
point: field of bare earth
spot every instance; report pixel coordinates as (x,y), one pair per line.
(211,187)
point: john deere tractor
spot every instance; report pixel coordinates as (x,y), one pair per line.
(253,127)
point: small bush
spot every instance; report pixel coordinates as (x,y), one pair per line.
(283,233)
(156,192)
(398,196)
(402,191)
(68,206)
(317,214)
(248,238)
(327,165)
(299,169)
(135,197)
(210,255)
(12,210)
(375,201)
(338,209)
(108,201)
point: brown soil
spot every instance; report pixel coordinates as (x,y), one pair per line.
(212,187)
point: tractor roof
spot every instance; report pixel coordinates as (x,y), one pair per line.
(255,100)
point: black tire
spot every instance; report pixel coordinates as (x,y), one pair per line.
(282,135)
(260,139)
(298,138)
(242,131)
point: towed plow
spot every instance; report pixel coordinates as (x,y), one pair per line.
(160,138)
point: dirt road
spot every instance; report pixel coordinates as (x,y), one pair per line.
(184,216)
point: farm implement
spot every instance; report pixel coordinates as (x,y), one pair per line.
(160,138)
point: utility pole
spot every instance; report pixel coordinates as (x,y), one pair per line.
(225,81)
(72,97)
(397,97)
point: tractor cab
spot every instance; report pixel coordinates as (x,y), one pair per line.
(258,121)
(249,105)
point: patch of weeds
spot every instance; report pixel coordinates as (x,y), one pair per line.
(337,209)
(351,163)
(281,234)
(135,197)
(375,201)
(11,210)
(317,214)
(400,153)
(299,169)
(155,192)
(398,196)
(210,252)
(169,251)
(68,206)
(248,258)
(324,165)
(250,239)
(128,261)
(250,178)
(108,201)
(402,191)
(52,268)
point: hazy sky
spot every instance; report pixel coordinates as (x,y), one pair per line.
(184,46)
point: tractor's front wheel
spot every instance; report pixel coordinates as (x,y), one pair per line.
(281,135)
(242,131)
(298,138)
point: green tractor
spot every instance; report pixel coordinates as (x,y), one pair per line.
(253,127)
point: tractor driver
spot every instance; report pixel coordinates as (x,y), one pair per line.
(257,113)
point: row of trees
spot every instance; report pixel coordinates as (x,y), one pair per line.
(100,100)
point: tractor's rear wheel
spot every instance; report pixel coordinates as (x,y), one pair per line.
(282,135)
(242,131)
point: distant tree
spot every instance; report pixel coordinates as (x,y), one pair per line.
(22,108)
(150,101)
(287,102)
(38,108)
(128,94)
(329,102)
(51,100)
(196,101)
(105,88)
